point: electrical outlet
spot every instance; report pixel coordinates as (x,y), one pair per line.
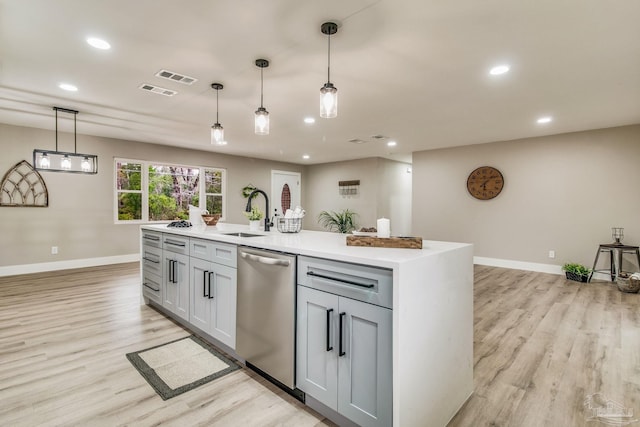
(54,250)
(552,254)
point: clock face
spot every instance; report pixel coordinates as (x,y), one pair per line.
(485,183)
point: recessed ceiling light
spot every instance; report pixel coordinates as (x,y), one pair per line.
(543,120)
(391,144)
(98,43)
(309,120)
(67,86)
(499,69)
(306,156)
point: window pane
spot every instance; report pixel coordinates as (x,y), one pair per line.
(171,190)
(213,181)
(129,206)
(214,204)
(128,176)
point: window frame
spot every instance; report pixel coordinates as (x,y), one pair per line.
(144,183)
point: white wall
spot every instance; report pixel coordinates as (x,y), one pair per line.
(562,192)
(385,190)
(80,217)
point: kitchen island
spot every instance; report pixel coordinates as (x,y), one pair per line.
(432,320)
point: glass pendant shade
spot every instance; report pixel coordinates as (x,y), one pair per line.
(262,121)
(217,134)
(85,165)
(65,163)
(328,101)
(44,161)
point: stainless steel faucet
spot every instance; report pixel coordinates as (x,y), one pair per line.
(267,221)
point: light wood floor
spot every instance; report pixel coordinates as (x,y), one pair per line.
(542,345)
(63,340)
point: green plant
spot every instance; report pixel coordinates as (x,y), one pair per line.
(578,269)
(342,222)
(255,214)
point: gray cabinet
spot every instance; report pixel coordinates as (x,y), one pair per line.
(213,291)
(344,348)
(151,266)
(175,262)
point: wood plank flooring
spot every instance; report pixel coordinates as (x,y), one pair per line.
(542,345)
(63,340)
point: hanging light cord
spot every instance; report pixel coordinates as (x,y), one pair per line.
(261,87)
(217,108)
(329,58)
(56,128)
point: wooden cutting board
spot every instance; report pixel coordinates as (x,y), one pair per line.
(388,242)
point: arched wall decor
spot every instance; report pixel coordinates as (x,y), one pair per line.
(23,186)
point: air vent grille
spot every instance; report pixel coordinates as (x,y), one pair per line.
(180,78)
(357,141)
(157,89)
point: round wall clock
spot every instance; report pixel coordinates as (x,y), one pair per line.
(485,183)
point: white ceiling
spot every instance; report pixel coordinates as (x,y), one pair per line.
(415,71)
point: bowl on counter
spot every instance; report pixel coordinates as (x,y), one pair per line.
(210,219)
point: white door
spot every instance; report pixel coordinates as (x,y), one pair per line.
(285,191)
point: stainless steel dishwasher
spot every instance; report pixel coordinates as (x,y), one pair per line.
(265,335)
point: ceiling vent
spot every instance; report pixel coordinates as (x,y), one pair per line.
(170,75)
(357,141)
(157,89)
(379,137)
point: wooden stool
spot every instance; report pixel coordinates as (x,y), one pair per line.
(614,249)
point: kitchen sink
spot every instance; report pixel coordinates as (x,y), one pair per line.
(242,234)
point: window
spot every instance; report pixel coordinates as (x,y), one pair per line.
(147,192)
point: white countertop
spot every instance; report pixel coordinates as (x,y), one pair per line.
(312,243)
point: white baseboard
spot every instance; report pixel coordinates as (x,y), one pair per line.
(12,270)
(529,266)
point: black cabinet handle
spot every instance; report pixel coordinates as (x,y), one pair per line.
(337,279)
(150,237)
(150,287)
(211,293)
(175,271)
(341,351)
(170,270)
(174,243)
(204,283)
(151,260)
(329,346)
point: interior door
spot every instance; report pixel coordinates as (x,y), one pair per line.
(285,191)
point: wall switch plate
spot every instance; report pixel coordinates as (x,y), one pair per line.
(552,254)
(54,250)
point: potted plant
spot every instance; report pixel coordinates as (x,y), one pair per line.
(576,272)
(342,222)
(255,215)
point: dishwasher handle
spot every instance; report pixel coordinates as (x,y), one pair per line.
(266,260)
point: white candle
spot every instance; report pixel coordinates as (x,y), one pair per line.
(384,227)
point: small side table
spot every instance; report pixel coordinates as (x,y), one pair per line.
(615,252)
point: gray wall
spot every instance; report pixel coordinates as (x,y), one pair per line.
(385,190)
(80,217)
(562,192)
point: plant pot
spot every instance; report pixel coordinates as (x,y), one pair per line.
(577,277)
(254,225)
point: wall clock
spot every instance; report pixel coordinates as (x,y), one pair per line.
(485,183)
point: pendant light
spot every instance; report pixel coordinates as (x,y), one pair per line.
(60,161)
(217,131)
(328,92)
(262,115)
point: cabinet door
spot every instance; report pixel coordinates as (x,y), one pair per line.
(223,295)
(365,380)
(316,355)
(200,280)
(176,284)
